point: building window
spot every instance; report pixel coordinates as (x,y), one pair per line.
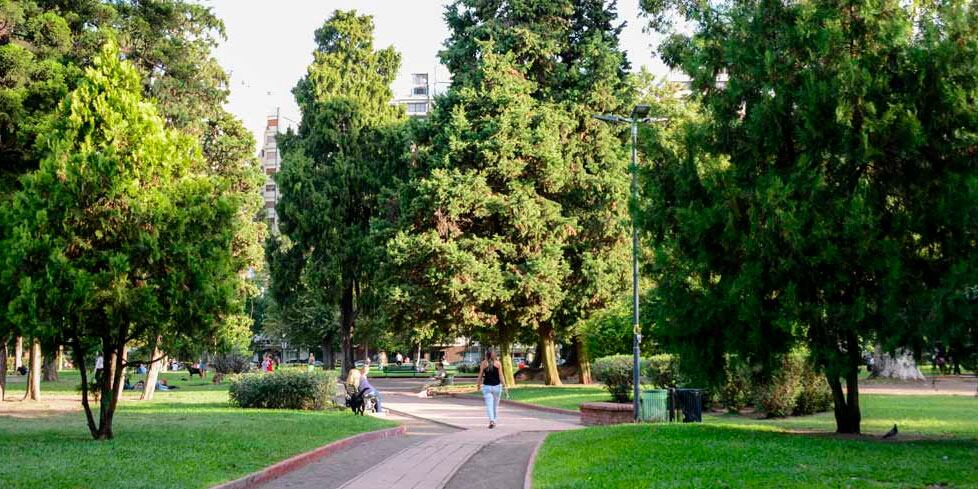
(270,171)
(270,188)
(270,139)
(269,204)
(417,108)
(270,154)
(419,78)
(420,85)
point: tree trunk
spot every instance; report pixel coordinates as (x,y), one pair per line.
(50,366)
(149,387)
(900,366)
(80,365)
(551,374)
(19,352)
(506,358)
(583,361)
(847,416)
(329,363)
(3,366)
(34,373)
(115,354)
(346,327)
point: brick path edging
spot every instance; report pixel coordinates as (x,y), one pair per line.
(535,407)
(303,459)
(528,478)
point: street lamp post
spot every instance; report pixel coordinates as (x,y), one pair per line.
(639,114)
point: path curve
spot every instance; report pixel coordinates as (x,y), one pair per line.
(448,445)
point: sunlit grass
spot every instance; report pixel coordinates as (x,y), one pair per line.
(190,437)
(937,447)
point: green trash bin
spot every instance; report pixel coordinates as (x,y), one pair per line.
(653,405)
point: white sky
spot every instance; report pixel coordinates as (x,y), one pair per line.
(270,42)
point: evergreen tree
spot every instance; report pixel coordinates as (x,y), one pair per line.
(823,197)
(569,50)
(119,235)
(481,248)
(349,145)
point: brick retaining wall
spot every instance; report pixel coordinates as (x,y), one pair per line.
(604,413)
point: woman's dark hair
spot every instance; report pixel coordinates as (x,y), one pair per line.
(489,355)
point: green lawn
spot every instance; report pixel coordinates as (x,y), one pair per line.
(736,451)
(185,438)
(568,397)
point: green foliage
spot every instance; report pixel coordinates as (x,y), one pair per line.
(615,372)
(120,236)
(568,53)
(736,392)
(821,196)
(661,371)
(814,395)
(230,363)
(349,147)
(609,332)
(777,396)
(284,389)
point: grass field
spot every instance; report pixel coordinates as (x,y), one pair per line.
(184,438)
(937,447)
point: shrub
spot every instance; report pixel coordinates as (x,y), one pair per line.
(815,395)
(778,395)
(736,391)
(231,363)
(615,372)
(284,389)
(661,371)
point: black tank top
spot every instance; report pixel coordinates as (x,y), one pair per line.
(490,376)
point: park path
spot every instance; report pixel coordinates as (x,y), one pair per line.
(448,445)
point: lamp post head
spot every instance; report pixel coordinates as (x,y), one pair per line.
(610,118)
(640,110)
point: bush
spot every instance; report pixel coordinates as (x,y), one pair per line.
(661,371)
(289,389)
(736,391)
(815,395)
(231,363)
(615,372)
(777,396)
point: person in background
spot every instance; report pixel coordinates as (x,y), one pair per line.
(99,367)
(203,368)
(311,362)
(398,358)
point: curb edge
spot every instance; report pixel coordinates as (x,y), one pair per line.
(301,460)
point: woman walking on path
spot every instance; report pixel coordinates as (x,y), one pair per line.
(490,385)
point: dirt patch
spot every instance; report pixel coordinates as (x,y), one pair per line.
(54,405)
(951,385)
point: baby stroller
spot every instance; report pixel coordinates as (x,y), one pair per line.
(359,401)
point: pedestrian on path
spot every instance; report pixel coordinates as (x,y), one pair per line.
(490,385)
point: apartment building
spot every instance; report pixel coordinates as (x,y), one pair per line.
(419,98)
(271,162)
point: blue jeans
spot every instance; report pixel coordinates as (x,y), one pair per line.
(490,394)
(376,394)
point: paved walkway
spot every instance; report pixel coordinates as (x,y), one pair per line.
(448,445)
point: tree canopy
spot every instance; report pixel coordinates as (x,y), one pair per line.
(820,198)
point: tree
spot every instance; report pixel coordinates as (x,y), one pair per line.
(120,234)
(569,49)
(819,199)
(349,144)
(296,307)
(482,243)
(45,45)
